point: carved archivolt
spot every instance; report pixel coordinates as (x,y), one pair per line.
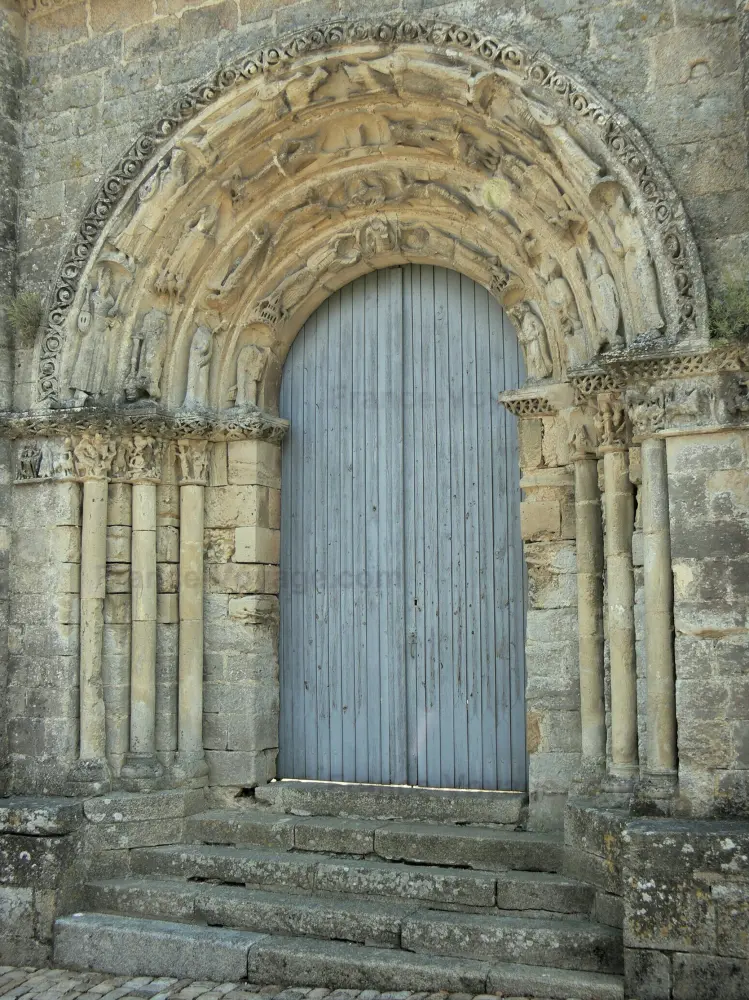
(351,147)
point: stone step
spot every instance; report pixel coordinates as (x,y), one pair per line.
(297,961)
(479,847)
(128,946)
(397,802)
(560,944)
(335,919)
(132,946)
(452,888)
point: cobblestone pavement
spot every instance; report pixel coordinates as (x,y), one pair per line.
(61,984)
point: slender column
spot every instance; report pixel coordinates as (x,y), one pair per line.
(142,769)
(619,504)
(589,536)
(93,458)
(191,765)
(659,598)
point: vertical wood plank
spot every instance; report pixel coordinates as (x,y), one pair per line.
(348,666)
(334,478)
(361,770)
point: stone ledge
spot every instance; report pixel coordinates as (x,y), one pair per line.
(39,817)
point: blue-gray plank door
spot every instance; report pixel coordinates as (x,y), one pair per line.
(402,575)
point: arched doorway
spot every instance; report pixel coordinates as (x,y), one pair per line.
(402,590)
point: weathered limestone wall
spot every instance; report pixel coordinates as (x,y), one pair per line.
(547,519)
(11,69)
(709,497)
(242,545)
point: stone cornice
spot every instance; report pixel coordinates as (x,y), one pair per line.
(617,371)
(237,424)
(537,400)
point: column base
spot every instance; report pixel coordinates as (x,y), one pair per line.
(590,779)
(619,784)
(190,770)
(90,776)
(655,794)
(142,772)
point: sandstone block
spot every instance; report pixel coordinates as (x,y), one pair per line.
(167,577)
(167,544)
(119,504)
(118,543)
(219,545)
(235,505)
(704,977)
(254,463)
(242,768)
(540,519)
(235,578)
(167,609)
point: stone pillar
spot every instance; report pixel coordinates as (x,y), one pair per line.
(589,551)
(142,770)
(191,766)
(659,598)
(613,433)
(93,458)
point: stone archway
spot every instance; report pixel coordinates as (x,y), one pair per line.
(341,150)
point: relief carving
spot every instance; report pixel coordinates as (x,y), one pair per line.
(639,272)
(94,323)
(546,120)
(247,267)
(647,411)
(93,456)
(581,443)
(562,303)
(199,368)
(603,296)
(611,422)
(252,361)
(532,335)
(174,277)
(29,460)
(147,355)
(194,461)
(143,455)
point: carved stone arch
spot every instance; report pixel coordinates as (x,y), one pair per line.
(353,146)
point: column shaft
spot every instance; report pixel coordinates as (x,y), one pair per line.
(191,620)
(143,653)
(590,612)
(93,740)
(659,653)
(619,501)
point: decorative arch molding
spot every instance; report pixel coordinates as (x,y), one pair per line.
(353,146)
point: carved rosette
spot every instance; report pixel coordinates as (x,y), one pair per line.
(194,462)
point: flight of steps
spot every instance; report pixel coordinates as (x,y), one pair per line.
(318,884)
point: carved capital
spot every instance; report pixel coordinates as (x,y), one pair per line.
(194,461)
(142,456)
(612,423)
(93,455)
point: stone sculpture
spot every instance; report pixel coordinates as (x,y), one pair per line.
(199,368)
(604,298)
(251,363)
(639,272)
(532,335)
(94,323)
(147,357)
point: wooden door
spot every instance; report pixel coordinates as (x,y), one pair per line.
(402,578)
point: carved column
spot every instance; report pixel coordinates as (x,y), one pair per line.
(93,459)
(659,600)
(619,505)
(142,769)
(589,550)
(194,459)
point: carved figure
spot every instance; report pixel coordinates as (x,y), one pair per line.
(143,457)
(250,264)
(420,134)
(532,335)
(93,456)
(580,442)
(639,272)
(738,405)
(147,357)
(582,167)
(29,461)
(63,466)
(647,412)
(173,278)
(95,320)
(611,422)
(194,458)
(561,299)
(199,368)
(293,93)
(604,298)
(251,363)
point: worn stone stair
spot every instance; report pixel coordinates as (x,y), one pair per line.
(382,901)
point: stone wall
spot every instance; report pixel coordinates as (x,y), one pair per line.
(98,71)
(709,496)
